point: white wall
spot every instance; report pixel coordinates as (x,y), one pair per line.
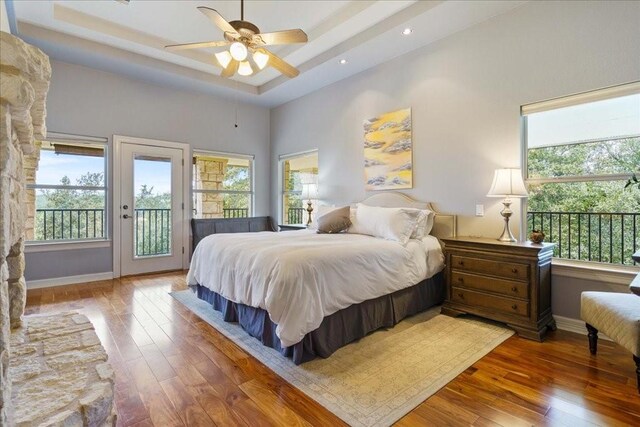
(465,92)
(85,101)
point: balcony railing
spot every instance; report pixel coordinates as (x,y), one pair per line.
(152,227)
(152,232)
(610,237)
(59,224)
(295,215)
(235,212)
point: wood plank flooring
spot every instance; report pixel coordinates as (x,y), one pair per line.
(173,369)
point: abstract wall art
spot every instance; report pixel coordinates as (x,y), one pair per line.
(388,151)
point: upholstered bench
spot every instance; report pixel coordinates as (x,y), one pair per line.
(618,316)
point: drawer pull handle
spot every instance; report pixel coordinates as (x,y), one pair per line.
(460,262)
(514,289)
(514,306)
(461,295)
(460,279)
(514,270)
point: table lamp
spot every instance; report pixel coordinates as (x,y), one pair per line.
(309,192)
(507,183)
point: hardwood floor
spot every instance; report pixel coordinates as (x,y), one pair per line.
(173,369)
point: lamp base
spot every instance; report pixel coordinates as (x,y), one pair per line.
(507,235)
(309,210)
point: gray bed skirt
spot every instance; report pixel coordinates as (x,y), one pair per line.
(338,329)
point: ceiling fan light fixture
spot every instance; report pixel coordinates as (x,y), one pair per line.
(224,58)
(238,51)
(260,59)
(245,69)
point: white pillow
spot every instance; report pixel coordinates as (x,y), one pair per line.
(387,223)
(423,225)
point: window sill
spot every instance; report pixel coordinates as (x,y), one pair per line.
(594,271)
(32,247)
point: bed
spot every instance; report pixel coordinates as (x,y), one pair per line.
(307,294)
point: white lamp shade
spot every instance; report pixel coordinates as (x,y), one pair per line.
(245,69)
(309,191)
(224,58)
(507,183)
(260,59)
(238,51)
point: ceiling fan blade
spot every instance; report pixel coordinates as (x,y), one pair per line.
(282,37)
(197,45)
(218,20)
(279,64)
(231,69)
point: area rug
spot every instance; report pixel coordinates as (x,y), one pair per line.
(380,378)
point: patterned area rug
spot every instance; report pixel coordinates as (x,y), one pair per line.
(382,377)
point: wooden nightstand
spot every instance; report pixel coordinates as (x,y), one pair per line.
(506,282)
(290,227)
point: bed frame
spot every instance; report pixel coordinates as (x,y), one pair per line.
(353,322)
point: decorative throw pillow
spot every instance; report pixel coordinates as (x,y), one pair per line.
(334,221)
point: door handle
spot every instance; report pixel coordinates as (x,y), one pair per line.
(125,216)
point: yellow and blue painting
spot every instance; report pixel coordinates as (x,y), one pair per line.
(388,151)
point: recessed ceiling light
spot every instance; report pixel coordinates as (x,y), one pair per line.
(343,61)
(407,31)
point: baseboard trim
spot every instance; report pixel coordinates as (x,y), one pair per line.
(575,325)
(69,280)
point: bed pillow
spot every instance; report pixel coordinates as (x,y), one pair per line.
(334,221)
(424,225)
(387,223)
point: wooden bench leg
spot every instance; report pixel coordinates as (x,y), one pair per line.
(637,360)
(593,339)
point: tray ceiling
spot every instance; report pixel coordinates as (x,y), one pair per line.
(129,38)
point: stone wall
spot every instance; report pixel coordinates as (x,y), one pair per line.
(30,168)
(25,73)
(209,175)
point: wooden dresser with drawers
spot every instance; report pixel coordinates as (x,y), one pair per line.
(506,282)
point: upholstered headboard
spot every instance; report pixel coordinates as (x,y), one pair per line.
(444,225)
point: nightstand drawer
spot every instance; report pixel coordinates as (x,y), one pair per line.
(509,270)
(477,299)
(489,284)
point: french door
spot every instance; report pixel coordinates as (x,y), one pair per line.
(151,208)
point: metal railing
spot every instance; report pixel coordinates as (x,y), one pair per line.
(63,224)
(235,212)
(610,237)
(152,232)
(295,215)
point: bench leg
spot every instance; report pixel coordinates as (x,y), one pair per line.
(637,360)
(593,339)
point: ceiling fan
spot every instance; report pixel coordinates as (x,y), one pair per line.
(244,38)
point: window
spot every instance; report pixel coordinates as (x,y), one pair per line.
(580,153)
(66,189)
(299,186)
(222,185)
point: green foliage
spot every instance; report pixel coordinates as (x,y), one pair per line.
(633,182)
(237,178)
(608,238)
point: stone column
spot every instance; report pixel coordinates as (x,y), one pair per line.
(209,175)
(25,73)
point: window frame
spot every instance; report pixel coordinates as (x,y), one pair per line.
(66,244)
(222,154)
(283,192)
(573,267)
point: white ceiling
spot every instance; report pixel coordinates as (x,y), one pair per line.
(129,38)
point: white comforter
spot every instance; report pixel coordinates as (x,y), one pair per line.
(299,277)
